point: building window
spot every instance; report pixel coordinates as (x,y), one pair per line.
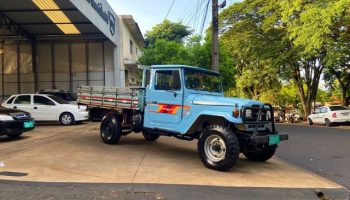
(136,51)
(131,47)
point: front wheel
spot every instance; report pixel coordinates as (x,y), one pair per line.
(67,119)
(218,148)
(260,154)
(150,136)
(110,129)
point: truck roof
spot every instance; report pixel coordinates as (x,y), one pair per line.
(185,66)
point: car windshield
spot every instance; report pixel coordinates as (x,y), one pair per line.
(58,100)
(204,81)
(335,108)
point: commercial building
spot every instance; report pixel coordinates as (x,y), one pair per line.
(60,44)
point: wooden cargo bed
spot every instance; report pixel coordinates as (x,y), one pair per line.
(115,98)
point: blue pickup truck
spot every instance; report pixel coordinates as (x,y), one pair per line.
(187,103)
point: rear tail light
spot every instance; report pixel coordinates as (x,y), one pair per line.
(334,115)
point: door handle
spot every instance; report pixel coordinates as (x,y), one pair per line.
(154,102)
(35,107)
(15,107)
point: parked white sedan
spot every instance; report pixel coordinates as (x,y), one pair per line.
(45,107)
(329,115)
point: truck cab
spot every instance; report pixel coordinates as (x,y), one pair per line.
(188,103)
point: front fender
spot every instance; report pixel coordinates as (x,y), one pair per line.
(228,116)
(205,114)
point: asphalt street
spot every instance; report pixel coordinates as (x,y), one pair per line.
(322,150)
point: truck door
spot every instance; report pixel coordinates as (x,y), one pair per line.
(164,102)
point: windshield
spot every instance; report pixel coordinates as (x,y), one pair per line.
(58,100)
(204,81)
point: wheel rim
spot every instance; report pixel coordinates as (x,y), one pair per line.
(215,148)
(66,119)
(107,132)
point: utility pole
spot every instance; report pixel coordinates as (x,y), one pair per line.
(215,36)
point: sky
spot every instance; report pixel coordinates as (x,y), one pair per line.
(148,13)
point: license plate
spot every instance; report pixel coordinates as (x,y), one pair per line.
(274,139)
(29,124)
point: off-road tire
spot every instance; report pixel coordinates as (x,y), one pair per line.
(150,136)
(110,129)
(232,151)
(16,135)
(327,122)
(67,118)
(261,154)
(310,121)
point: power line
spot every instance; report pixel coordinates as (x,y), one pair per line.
(169,10)
(205,18)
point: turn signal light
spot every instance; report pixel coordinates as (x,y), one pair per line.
(334,115)
(236,113)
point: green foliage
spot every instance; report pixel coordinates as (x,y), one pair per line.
(167,48)
(165,52)
(292,40)
(167,30)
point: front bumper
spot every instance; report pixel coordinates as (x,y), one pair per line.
(81,116)
(15,126)
(266,139)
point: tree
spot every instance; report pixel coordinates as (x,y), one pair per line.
(170,31)
(290,37)
(165,52)
(170,43)
(322,29)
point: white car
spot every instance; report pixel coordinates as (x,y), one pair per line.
(45,107)
(329,115)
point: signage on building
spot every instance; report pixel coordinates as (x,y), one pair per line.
(107,16)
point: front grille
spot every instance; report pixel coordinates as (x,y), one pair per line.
(20,116)
(258,125)
(252,113)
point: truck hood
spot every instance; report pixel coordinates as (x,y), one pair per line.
(224,101)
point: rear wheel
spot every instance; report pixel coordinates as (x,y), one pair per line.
(110,129)
(310,121)
(218,148)
(150,136)
(328,123)
(261,154)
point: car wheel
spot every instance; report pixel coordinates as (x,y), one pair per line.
(67,118)
(150,136)
(261,154)
(328,123)
(218,148)
(110,129)
(15,135)
(310,121)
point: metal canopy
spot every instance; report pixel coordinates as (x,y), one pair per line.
(28,21)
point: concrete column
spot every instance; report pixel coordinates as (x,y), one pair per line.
(119,72)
